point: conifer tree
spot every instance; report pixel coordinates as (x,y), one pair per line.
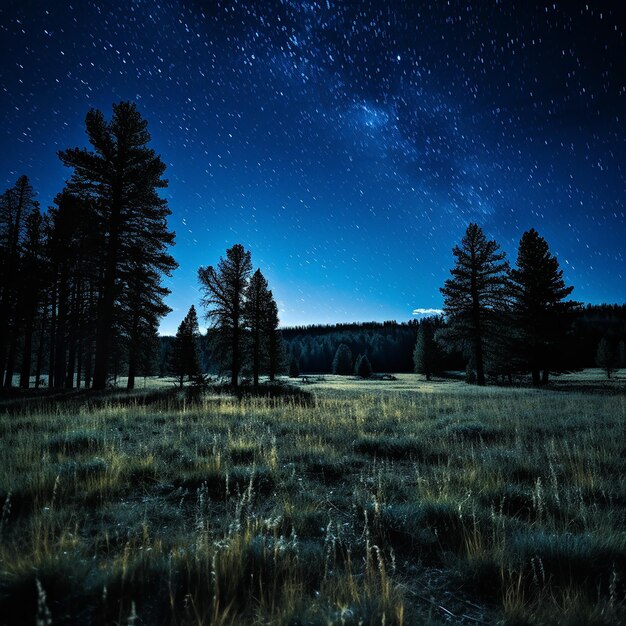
(475,296)
(224,289)
(606,358)
(16,205)
(32,279)
(540,311)
(426,355)
(122,176)
(256,311)
(275,348)
(185,359)
(342,362)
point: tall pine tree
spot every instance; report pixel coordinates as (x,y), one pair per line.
(475,296)
(256,311)
(122,176)
(16,205)
(32,275)
(540,311)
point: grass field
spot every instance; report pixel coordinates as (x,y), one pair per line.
(337,502)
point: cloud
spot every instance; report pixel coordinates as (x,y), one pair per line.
(427,312)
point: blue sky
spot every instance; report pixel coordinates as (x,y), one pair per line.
(347,145)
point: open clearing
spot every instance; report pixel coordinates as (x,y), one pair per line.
(338,502)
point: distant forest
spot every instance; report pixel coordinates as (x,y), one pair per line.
(390,345)
(82,295)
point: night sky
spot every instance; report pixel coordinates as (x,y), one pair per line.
(346,144)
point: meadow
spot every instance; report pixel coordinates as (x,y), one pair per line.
(339,501)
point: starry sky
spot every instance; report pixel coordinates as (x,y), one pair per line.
(346,144)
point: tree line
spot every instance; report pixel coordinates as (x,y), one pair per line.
(392,346)
(81,292)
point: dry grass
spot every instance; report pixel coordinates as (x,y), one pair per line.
(357,502)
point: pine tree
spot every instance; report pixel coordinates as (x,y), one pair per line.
(225,288)
(540,313)
(474,296)
(122,176)
(426,355)
(275,348)
(32,274)
(255,312)
(342,362)
(622,353)
(606,358)
(16,205)
(185,359)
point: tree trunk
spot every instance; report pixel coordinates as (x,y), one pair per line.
(71,363)
(27,354)
(41,342)
(545,377)
(4,331)
(478,342)
(13,335)
(234,374)
(89,340)
(73,337)
(256,358)
(88,363)
(53,333)
(133,350)
(132,370)
(8,377)
(60,363)
(536,374)
(79,362)
(80,328)
(107,294)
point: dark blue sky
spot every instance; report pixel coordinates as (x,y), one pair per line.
(347,145)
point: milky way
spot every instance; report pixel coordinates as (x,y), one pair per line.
(347,145)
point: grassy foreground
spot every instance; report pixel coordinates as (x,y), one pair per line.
(344,502)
